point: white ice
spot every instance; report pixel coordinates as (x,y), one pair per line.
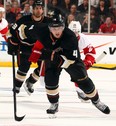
(72,112)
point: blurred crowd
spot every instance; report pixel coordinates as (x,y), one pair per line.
(102,12)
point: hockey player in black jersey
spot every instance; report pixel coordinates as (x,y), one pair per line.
(23,50)
(57,46)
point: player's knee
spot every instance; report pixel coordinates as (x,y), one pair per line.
(88,87)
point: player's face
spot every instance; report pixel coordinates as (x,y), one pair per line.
(57,31)
(38,11)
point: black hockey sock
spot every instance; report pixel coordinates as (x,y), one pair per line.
(95,99)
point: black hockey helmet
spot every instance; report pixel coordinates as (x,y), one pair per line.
(56,18)
(38,3)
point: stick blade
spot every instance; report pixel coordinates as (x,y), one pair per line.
(19,118)
(105,68)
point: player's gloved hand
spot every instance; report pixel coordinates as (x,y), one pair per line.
(36,52)
(89,61)
(12,49)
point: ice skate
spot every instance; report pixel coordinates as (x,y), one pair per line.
(102,107)
(16,89)
(52,110)
(82,96)
(28,87)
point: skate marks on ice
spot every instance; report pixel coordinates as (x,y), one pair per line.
(71,110)
(69,107)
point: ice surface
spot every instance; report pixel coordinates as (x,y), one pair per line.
(72,112)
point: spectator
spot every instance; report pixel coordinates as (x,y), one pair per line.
(94,22)
(70,18)
(31,4)
(22,2)
(10,16)
(108,3)
(1,4)
(102,10)
(15,7)
(11,1)
(108,26)
(26,10)
(83,8)
(94,3)
(73,10)
(66,6)
(114,14)
(18,16)
(52,4)
(113,3)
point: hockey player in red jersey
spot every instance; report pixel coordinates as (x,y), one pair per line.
(86,48)
(3,23)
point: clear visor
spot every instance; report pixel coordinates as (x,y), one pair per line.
(60,28)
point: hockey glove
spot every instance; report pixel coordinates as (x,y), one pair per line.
(89,61)
(36,52)
(12,49)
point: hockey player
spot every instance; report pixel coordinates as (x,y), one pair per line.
(3,24)
(23,50)
(88,51)
(58,47)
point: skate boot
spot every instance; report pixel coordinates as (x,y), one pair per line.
(101,106)
(52,110)
(28,87)
(16,89)
(82,96)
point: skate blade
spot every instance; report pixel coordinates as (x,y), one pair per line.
(26,89)
(85,101)
(52,116)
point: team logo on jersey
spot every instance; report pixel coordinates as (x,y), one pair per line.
(31,27)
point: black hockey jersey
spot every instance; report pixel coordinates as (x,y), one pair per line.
(68,42)
(15,30)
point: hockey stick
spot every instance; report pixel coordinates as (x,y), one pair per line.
(100,58)
(106,68)
(14,93)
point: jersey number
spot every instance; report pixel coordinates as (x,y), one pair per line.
(14,26)
(75,53)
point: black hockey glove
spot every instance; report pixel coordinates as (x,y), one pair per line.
(12,49)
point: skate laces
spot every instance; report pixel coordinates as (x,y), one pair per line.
(53,106)
(17,88)
(29,85)
(100,105)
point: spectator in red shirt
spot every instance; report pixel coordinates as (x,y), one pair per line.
(108,26)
